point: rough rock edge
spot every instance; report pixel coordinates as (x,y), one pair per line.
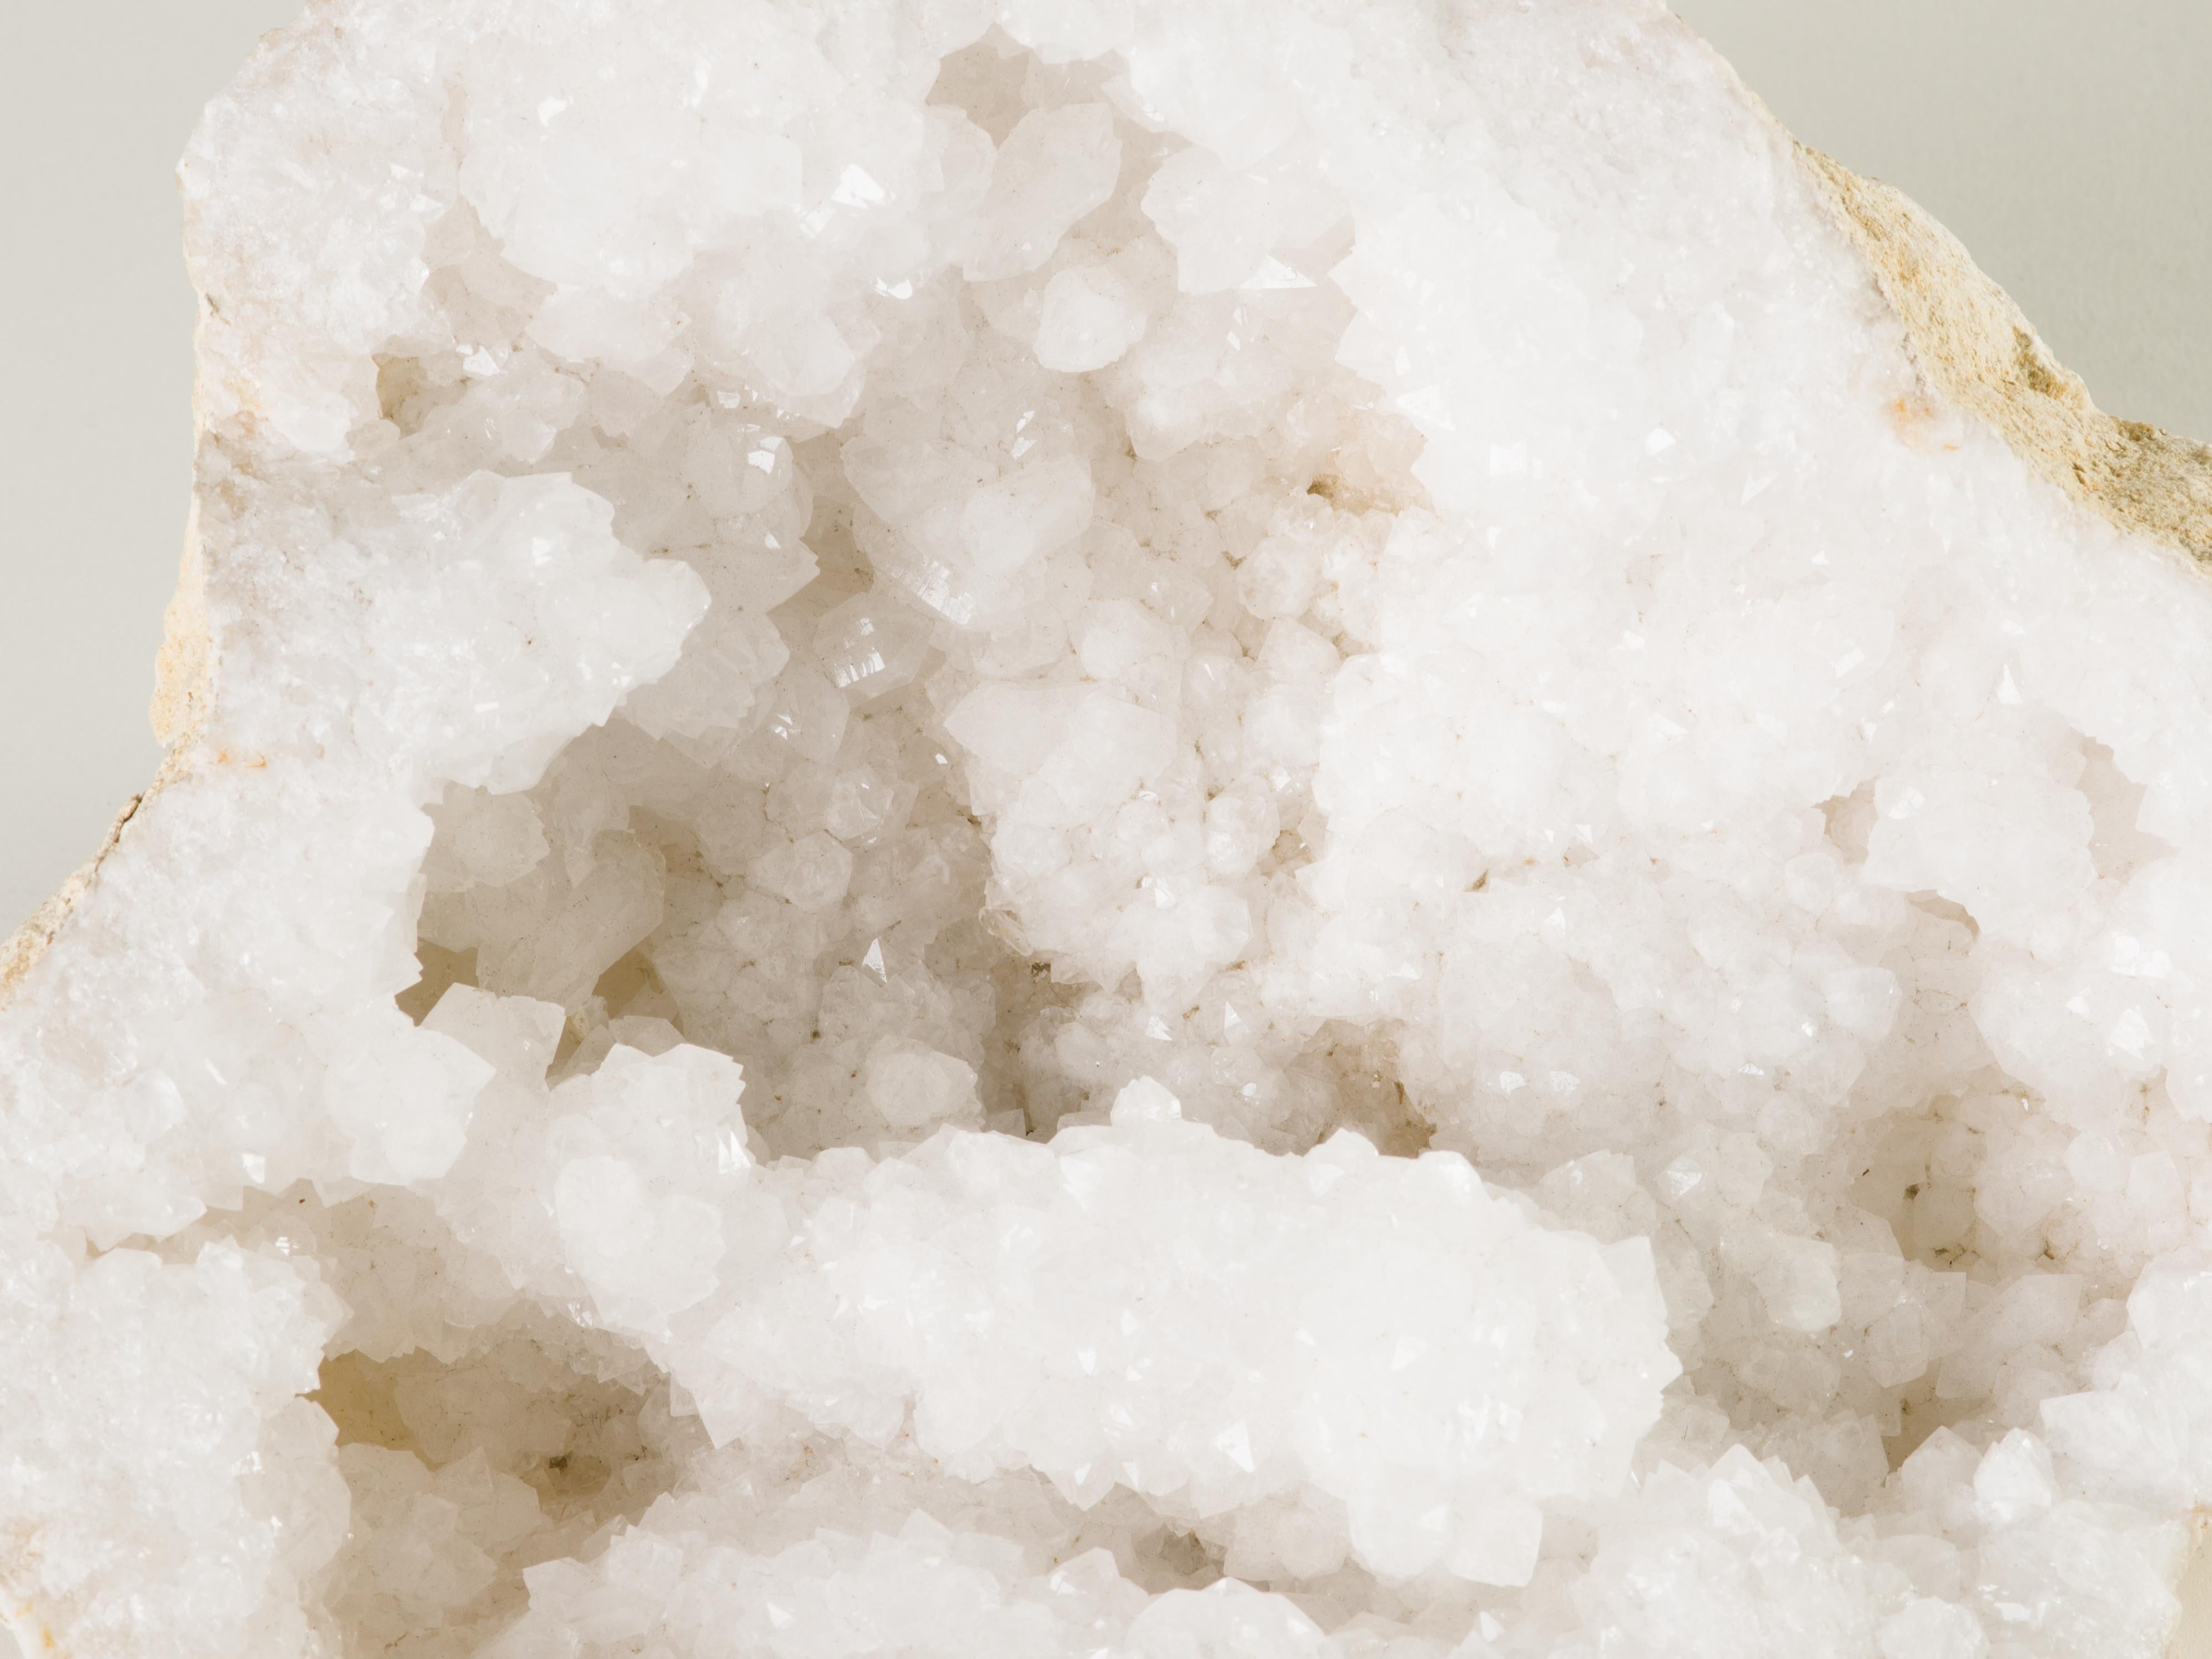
(183,692)
(1974,348)
(1972,344)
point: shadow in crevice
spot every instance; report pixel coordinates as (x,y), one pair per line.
(463,1472)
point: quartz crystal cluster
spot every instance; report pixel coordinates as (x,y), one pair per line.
(1019,827)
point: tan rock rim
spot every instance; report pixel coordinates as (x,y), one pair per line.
(1974,348)
(1971,343)
(184,681)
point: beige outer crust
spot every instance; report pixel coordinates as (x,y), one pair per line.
(180,699)
(183,691)
(1975,350)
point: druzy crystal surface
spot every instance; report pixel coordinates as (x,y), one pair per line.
(1024,828)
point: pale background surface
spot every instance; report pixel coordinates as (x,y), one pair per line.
(2068,145)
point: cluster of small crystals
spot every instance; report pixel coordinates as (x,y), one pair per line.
(1185,1316)
(1041,826)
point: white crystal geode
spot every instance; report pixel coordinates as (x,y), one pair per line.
(1146,827)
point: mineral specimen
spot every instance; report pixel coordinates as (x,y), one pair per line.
(1154,827)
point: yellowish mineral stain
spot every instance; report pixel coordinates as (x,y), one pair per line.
(1975,350)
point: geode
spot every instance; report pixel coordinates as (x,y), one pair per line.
(1068,827)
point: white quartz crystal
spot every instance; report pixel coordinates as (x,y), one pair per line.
(1008,827)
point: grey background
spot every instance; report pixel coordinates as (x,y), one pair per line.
(97,98)
(2069,144)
